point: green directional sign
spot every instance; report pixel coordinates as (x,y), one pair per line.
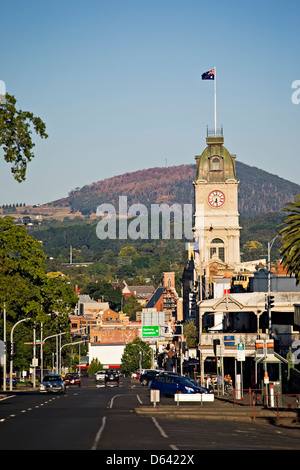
(149,331)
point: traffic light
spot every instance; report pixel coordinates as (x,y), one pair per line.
(270,301)
(195,286)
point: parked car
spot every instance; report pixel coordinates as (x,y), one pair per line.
(72,379)
(100,376)
(136,375)
(148,376)
(14,382)
(112,378)
(204,389)
(53,383)
(170,384)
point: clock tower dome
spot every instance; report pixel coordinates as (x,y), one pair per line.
(217,227)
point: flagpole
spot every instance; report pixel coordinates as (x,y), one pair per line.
(215,100)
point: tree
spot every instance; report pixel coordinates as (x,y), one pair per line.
(105,292)
(252,250)
(190,333)
(290,242)
(131,360)
(15,136)
(25,289)
(94,366)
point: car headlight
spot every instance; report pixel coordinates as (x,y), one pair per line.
(189,389)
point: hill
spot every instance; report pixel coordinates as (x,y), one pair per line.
(259,191)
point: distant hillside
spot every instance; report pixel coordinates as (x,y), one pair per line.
(259,191)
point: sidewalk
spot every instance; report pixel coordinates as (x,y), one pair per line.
(222,408)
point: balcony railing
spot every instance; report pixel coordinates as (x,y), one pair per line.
(206,339)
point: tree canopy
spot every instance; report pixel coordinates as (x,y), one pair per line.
(290,243)
(25,289)
(130,361)
(15,135)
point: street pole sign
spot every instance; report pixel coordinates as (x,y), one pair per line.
(241,351)
(150,331)
(2,352)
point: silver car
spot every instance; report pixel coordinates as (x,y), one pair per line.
(52,383)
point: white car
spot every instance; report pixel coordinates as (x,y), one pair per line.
(100,376)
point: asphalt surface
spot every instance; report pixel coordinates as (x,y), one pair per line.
(122,418)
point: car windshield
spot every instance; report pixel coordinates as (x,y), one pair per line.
(52,378)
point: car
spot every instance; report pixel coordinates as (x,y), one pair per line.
(72,379)
(170,384)
(100,376)
(112,378)
(148,375)
(203,389)
(53,383)
(14,382)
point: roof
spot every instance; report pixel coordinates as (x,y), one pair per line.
(226,171)
(252,299)
(155,297)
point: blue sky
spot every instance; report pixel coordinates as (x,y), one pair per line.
(118,84)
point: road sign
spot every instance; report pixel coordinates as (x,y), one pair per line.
(2,352)
(240,352)
(150,331)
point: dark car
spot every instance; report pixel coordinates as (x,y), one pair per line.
(72,379)
(170,384)
(148,376)
(112,378)
(14,382)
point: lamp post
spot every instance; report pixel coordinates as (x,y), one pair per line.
(270,244)
(11,350)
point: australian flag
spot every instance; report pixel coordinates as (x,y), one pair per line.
(209,75)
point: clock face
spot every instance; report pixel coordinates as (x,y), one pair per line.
(216,198)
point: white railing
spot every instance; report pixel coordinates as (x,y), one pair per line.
(206,339)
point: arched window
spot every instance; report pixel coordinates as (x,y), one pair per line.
(216,164)
(217,249)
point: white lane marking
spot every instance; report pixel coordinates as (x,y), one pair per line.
(6,398)
(99,434)
(138,397)
(162,432)
(110,404)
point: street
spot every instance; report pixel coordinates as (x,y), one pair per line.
(104,418)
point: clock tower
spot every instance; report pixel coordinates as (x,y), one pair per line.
(217,228)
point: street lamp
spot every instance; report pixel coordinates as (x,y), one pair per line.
(270,244)
(11,350)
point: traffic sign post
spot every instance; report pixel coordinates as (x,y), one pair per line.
(2,352)
(150,331)
(241,358)
(241,351)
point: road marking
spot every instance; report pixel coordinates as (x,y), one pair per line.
(162,432)
(138,397)
(6,398)
(110,404)
(99,433)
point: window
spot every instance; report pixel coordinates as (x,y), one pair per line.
(215,164)
(217,248)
